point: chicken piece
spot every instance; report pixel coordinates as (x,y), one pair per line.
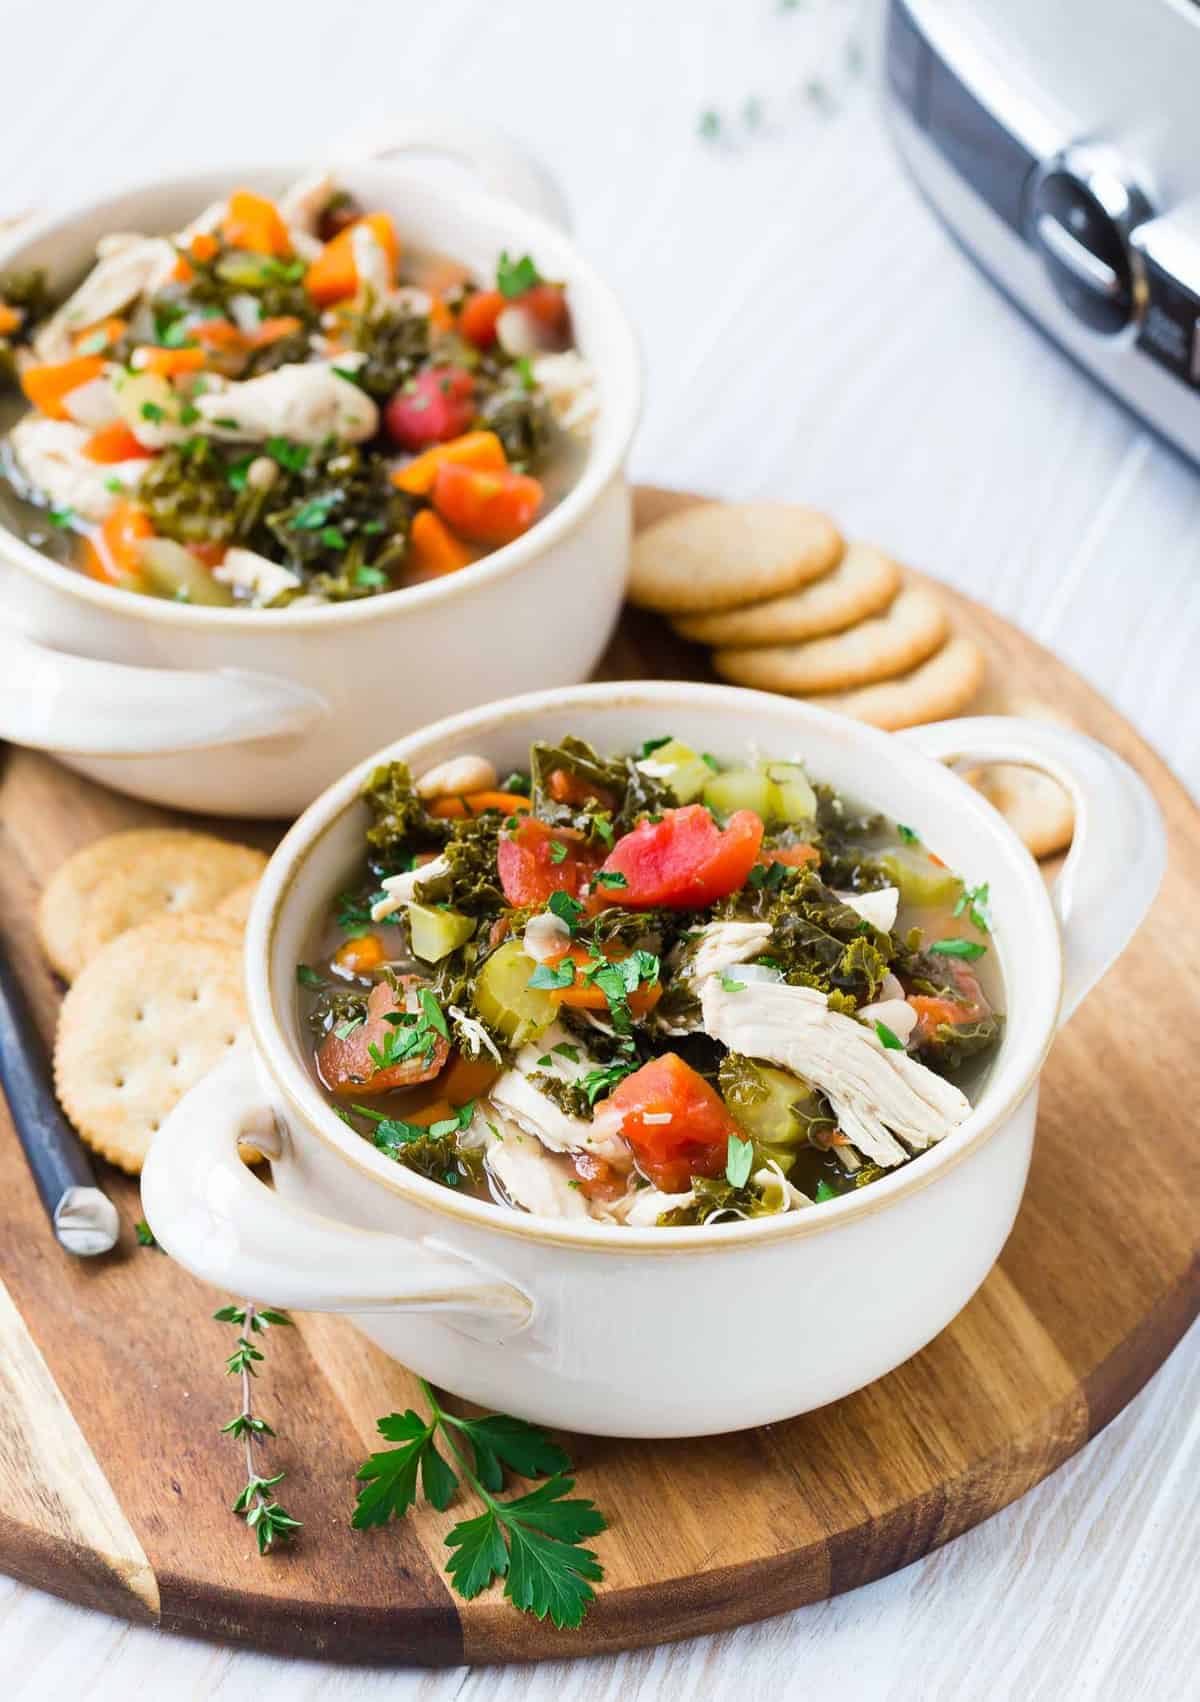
(569,386)
(93,404)
(878,908)
(301,207)
(715,948)
(262,578)
(371,263)
(896,1014)
(49,454)
(304,402)
(517,1098)
(402,888)
(646,1205)
(118,278)
(876,1094)
(531,1178)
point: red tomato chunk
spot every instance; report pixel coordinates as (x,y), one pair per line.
(695,1139)
(432,408)
(685,861)
(347,1066)
(535,860)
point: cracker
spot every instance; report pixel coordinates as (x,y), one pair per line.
(862,584)
(236,904)
(147,1017)
(892,643)
(118,882)
(942,686)
(1036,807)
(718,555)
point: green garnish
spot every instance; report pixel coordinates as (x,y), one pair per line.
(371,576)
(293,457)
(957,948)
(61,516)
(308,977)
(545,976)
(144,1233)
(974,900)
(740,1156)
(565,1050)
(332,538)
(566,908)
(558,851)
(610,878)
(152,411)
(824,1192)
(312,515)
(907,834)
(514,277)
(262,1513)
(729,985)
(767,876)
(649,746)
(890,1039)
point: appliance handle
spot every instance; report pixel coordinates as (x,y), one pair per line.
(1119,851)
(76,705)
(211,1212)
(500,164)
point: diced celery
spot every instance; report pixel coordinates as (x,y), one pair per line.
(505,1000)
(436,933)
(793,799)
(921,881)
(739,789)
(768,1104)
(678,766)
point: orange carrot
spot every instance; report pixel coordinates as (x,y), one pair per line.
(113,553)
(216,334)
(272,330)
(10,319)
(45,386)
(204,246)
(168,363)
(486,507)
(181,272)
(115,442)
(440,316)
(466,1078)
(254,223)
(473,449)
(586,996)
(475,803)
(433,550)
(94,339)
(333,276)
(439,1111)
(478,315)
(361,955)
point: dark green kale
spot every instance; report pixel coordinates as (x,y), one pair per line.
(472,883)
(847,840)
(402,825)
(30,293)
(397,346)
(817,941)
(714,1196)
(521,420)
(621,793)
(335,1007)
(953,1043)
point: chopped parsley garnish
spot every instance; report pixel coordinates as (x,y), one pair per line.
(545,976)
(610,878)
(974,900)
(651,745)
(235,478)
(308,977)
(293,457)
(824,1192)
(61,516)
(312,515)
(370,576)
(599,1083)
(740,1156)
(558,851)
(907,834)
(729,985)
(152,411)
(516,782)
(769,876)
(566,908)
(565,1050)
(188,415)
(888,1037)
(711,761)
(957,948)
(332,538)
(514,277)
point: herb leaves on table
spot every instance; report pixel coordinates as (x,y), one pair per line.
(270,1522)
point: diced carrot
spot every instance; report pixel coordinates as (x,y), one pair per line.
(475,803)
(440,316)
(473,449)
(10,319)
(212,555)
(204,246)
(272,330)
(567,788)
(181,271)
(333,276)
(486,507)
(792,856)
(438,1112)
(93,339)
(586,996)
(466,1078)
(114,553)
(361,955)
(168,363)
(45,386)
(433,550)
(478,315)
(216,333)
(253,223)
(115,442)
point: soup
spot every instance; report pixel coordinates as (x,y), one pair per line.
(285,404)
(648,989)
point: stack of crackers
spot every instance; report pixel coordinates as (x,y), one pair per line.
(147,928)
(786,604)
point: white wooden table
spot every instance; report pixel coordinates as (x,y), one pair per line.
(810,333)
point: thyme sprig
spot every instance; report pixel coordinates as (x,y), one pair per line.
(532,1541)
(265,1517)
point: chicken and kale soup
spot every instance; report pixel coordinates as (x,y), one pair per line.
(283,404)
(646,989)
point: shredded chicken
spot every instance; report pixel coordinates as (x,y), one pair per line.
(49,453)
(531,1178)
(518,1099)
(262,578)
(569,386)
(305,402)
(119,277)
(92,404)
(878,908)
(401,889)
(371,263)
(876,1093)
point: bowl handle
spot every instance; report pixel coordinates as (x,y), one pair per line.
(211,1212)
(502,166)
(1119,851)
(78,705)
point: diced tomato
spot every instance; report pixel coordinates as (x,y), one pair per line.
(567,788)
(586,996)
(115,442)
(685,861)
(693,1141)
(547,304)
(597,1178)
(535,859)
(487,507)
(477,319)
(791,856)
(346,1066)
(431,408)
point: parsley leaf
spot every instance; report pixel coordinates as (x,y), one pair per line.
(544,976)
(610,878)
(649,746)
(308,977)
(974,900)
(729,985)
(514,277)
(957,948)
(768,876)
(739,1158)
(599,1083)
(890,1039)
(907,834)
(546,1570)
(558,851)
(824,1192)
(566,908)
(391,1475)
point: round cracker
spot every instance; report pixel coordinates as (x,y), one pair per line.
(942,686)
(718,555)
(862,584)
(123,880)
(892,643)
(236,904)
(147,1017)
(1036,807)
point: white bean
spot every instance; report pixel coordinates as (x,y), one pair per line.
(457,777)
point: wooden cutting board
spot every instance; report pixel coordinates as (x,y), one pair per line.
(115,1484)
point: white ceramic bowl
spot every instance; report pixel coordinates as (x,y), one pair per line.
(656,1332)
(270,706)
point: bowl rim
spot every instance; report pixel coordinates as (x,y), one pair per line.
(294,1083)
(624,358)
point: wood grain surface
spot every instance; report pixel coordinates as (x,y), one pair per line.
(114,1484)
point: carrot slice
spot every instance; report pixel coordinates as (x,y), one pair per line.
(204,246)
(125,528)
(440,316)
(181,271)
(46,386)
(586,996)
(253,223)
(486,507)
(10,319)
(272,330)
(333,276)
(115,442)
(361,955)
(217,333)
(475,803)
(93,339)
(433,550)
(168,363)
(473,449)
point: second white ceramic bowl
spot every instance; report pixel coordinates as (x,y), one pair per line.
(252,712)
(655,1332)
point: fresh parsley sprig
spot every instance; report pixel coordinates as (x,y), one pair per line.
(533,1542)
(265,1517)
